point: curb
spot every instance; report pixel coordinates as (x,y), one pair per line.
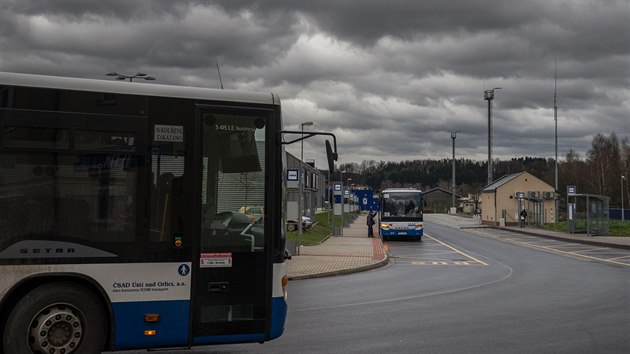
(378,264)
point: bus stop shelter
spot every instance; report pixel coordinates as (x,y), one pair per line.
(588,213)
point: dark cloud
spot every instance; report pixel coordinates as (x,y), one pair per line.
(390,78)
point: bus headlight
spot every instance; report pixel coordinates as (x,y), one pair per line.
(385,226)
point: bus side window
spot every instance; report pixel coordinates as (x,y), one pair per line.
(170,198)
(165,203)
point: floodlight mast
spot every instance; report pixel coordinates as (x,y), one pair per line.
(453,188)
(555,118)
(488,95)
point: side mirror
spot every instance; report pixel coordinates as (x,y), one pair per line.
(332,157)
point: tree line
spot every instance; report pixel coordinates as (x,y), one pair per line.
(598,172)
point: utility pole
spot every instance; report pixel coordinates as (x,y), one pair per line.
(453,136)
(301,187)
(555,118)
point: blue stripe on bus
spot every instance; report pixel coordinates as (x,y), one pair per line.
(171,330)
(278,316)
(401,232)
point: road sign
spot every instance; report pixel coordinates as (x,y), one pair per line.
(293,175)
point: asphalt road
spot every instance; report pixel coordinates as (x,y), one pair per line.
(461,291)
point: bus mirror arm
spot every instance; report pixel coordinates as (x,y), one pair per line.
(306,136)
(330,152)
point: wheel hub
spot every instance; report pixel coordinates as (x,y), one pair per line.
(56,330)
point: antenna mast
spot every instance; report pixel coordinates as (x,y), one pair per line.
(220,81)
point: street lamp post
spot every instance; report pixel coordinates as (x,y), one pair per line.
(623,218)
(348,184)
(301,186)
(342,204)
(131,77)
(488,95)
(330,198)
(453,136)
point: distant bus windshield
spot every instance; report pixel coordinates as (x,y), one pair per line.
(402,204)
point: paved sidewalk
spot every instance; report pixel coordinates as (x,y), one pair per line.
(355,252)
(350,253)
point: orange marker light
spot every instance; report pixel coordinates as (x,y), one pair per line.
(150,332)
(285,281)
(151,317)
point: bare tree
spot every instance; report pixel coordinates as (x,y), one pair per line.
(246,182)
(604,160)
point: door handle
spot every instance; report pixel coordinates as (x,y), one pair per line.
(218,287)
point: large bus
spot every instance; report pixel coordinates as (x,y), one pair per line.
(401,213)
(119,216)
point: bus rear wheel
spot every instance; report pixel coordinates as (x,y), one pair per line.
(56,317)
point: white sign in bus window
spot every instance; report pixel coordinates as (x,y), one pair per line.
(168,133)
(215,260)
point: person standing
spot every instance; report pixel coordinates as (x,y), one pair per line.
(370,223)
(523,217)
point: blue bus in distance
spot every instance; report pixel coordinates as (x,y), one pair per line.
(401,213)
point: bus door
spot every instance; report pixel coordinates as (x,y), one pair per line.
(232,271)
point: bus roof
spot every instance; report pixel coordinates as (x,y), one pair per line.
(67,83)
(401,190)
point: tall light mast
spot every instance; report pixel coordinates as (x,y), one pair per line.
(555,118)
(488,95)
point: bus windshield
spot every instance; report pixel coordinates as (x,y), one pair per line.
(402,204)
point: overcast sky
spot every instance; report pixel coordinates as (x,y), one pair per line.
(390,78)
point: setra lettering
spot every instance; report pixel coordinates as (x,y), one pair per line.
(47,250)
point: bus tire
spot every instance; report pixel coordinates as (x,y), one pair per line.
(61,315)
